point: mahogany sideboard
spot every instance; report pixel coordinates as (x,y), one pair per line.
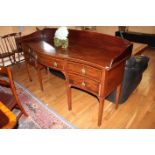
(93,62)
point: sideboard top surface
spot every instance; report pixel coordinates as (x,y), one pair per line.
(95,48)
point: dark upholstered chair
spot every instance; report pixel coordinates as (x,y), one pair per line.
(135,66)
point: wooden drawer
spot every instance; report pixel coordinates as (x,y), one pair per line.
(84,70)
(53,63)
(84,83)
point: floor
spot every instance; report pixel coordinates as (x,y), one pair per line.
(137,112)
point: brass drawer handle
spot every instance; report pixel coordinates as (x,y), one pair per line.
(83,71)
(55,64)
(83,84)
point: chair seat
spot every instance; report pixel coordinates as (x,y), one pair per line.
(4,119)
(8,99)
(2,55)
(17,51)
(8,119)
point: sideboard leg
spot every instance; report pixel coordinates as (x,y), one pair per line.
(40,79)
(69,97)
(27,68)
(46,70)
(118,92)
(100,112)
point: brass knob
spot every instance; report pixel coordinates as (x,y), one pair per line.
(55,64)
(83,84)
(83,71)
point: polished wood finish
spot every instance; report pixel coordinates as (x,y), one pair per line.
(99,60)
(138,48)
(84,70)
(7,118)
(31,59)
(138,112)
(6,71)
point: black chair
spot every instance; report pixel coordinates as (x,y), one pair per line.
(134,68)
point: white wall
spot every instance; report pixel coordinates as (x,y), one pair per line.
(143,29)
(102,29)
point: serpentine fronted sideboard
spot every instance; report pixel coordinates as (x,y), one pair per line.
(93,62)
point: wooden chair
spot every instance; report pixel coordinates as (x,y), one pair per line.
(6,51)
(14,41)
(18,49)
(8,82)
(10,46)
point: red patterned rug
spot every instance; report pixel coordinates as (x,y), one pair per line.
(40,115)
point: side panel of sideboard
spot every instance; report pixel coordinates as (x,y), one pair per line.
(113,77)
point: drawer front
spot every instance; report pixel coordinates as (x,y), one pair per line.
(84,70)
(53,63)
(84,83)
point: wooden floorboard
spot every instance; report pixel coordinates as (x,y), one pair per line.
(137,112)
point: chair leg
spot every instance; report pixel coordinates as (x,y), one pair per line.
(14,59)
(10,60)
(17,99)
(20,106)
(19,57)
(3,61)
(28,72)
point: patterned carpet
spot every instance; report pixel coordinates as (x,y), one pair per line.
(40,115)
